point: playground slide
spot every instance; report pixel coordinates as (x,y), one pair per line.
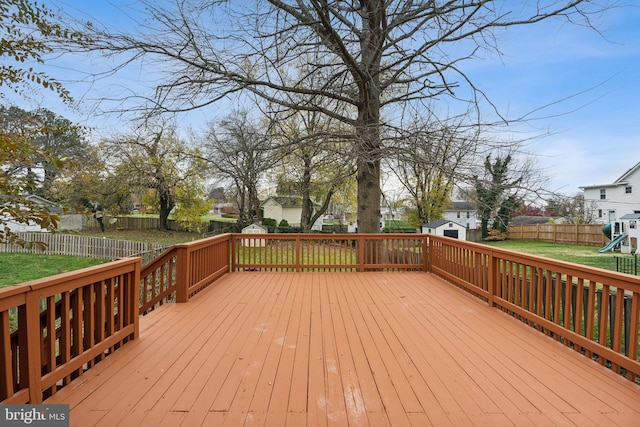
(612,244)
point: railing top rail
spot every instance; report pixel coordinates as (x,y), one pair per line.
(87,275)
(204,242)
(326,236)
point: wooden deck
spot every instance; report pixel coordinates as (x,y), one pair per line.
(344,349)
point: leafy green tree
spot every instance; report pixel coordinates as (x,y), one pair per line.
(191,206)
(156,159)
(56,141)
(28,32)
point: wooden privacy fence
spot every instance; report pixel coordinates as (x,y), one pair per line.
(577,234)
(52,330)
(82,246)
(596,312)
(133,223)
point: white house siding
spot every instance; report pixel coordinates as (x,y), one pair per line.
(466,218)
(463,213)
(621,197)
(272,209)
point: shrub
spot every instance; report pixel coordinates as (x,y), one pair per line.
(269,222)
(495,236)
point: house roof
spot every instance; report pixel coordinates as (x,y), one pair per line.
(630,216)
(620,181)
(48,204)
(529,220)
(439,223)
(286,201)
(460,206)
(627,173)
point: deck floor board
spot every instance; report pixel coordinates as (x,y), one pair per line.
(358,349)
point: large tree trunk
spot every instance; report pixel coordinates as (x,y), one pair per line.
(368,147)
(166,206)
(369,153)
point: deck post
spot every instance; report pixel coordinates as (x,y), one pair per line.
(361,253)
(182,285)
(233,253)
(493,274)
(297,253)
(426,254)
(135,296)
(32,353)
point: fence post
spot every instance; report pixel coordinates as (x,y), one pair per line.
(182,287)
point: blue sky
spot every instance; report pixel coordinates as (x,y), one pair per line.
(594,133)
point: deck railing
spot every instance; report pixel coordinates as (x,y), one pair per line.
(92,312)
(593,311)
(54,329)
(184,270)
(334,252)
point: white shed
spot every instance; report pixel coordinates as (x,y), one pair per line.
(442,227)
(254,229)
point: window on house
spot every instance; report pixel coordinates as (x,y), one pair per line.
(599,213)
(628,189)
(458,214)
(603,194)
(468,214)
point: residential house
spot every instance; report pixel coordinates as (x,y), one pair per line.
(463,213)
(611,201)
(288,208)
(65,222)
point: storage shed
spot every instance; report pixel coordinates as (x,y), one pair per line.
(443,227)
(254,229)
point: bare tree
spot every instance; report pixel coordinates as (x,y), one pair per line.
(315,162)
(574,209)
(430,158)
(368,55)
(239,150)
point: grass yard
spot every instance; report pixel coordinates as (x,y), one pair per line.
(21,267)
(17,268)
(585,255)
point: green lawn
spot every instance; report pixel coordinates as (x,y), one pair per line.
(17,267)
(585,255)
